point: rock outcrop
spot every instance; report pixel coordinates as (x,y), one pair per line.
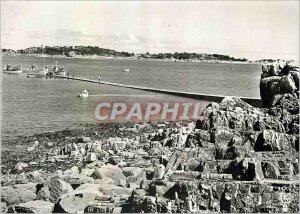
(278,79)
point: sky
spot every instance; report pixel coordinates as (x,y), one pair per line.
(250,29)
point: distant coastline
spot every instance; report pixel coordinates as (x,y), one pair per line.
(94,52)
(90,52)
(130,58)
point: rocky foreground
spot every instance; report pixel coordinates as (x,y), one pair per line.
(237,158)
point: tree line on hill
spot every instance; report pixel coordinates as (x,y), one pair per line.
(192,56)
(70,51)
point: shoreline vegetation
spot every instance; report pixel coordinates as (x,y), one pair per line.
(237,159)
(94,52)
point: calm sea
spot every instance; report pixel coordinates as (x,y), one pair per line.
(31,105)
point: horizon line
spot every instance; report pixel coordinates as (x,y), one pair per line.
(145,52)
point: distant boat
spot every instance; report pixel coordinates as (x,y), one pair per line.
(39,73)
(12,70)
(126,70)
(59,71)
(83,93)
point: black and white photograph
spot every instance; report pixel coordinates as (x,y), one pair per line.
(149,106)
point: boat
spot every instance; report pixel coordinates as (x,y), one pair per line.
(59,71)
(126,70)
(83,93)
(38,73)
(12,70)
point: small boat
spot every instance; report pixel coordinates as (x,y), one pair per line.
(59,71)
(83,93)
(38,73)
(12,70)
(126,70)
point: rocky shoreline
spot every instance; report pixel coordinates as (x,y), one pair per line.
(236,158)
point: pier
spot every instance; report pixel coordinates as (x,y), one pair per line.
(207,97)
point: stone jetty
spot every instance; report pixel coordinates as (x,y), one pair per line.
(236,158)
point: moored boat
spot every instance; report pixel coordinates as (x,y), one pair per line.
(59,70)
(39,73)
(12,70)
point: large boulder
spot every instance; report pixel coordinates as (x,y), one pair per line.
(271,69)
(278,80)
(35,207)
(110,171)
(135,176)
(20,193)
(77,200)
(57,188)
(9,195)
